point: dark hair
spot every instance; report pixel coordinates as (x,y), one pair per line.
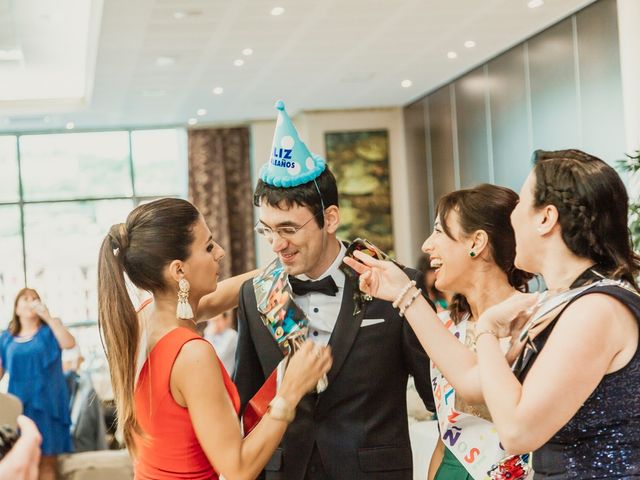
(14,323)
(153,235)
(592,205)
(485,207)
(305,195)
(424,266)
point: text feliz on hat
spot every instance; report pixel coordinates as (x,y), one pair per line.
(290,163)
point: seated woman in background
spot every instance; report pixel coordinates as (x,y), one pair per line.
(221,331)
(31,353)
(180,416)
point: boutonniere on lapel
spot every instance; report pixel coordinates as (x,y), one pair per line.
(359,298)
(364,246)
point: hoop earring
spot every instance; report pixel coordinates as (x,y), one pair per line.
(184,311)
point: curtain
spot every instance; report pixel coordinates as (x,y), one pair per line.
(220,186)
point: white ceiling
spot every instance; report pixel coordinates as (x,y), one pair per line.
(319,54)
(47,53)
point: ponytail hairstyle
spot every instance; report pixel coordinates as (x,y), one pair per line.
(592,205)
(485,207)
(154,235)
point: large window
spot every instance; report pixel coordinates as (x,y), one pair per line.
(60,193)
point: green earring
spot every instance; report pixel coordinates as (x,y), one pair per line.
(472,254)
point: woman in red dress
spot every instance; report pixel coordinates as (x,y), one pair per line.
(179,415)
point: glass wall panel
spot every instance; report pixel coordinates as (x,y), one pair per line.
(159,162)
(11,266)
(62,245)
(75,165)
(9,189)
(75,186)
(471,120)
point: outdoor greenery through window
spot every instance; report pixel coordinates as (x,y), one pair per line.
(60,193)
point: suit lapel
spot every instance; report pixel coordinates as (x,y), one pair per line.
(345,330)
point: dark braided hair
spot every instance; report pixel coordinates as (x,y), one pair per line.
(485,207)
(592,204)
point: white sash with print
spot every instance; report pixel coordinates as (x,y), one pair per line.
(473,440)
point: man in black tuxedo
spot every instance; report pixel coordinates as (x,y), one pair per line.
(357,428)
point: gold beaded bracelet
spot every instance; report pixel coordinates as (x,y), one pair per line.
(484,332)
(279,409)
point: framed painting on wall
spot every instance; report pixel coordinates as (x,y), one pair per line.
(360,162)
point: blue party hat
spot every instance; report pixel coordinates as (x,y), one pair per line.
(291,163)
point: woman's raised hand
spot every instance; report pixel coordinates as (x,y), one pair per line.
(41,310)
(379,278)
(500,317)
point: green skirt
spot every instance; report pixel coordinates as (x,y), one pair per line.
(451,468)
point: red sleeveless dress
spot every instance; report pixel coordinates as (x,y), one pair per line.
(171,449)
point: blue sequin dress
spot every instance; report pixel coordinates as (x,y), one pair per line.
(36,378)
(602,440)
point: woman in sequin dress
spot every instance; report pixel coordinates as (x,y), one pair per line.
(574,401)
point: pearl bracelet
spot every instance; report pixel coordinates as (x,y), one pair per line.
(410,301)
(404,291)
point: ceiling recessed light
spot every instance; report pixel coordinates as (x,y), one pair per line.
(469,44)
(182,14)
(535,3)
(238,62)
(70,126)
(218,90)
(275,11)
(201,112)
(11,55)
(154,93)
(247,51)
(165,61)
(192,121)
(452,55)
(406,83)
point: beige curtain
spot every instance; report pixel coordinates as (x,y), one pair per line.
(220,186)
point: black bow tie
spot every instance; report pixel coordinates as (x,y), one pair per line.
(325,285)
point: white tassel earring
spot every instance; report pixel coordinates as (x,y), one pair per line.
(184,311)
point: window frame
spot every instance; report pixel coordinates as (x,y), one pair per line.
(134,197)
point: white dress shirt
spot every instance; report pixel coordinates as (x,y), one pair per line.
(322,309)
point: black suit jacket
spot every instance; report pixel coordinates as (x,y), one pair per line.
(359,424)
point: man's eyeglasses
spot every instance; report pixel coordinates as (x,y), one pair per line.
(283,232)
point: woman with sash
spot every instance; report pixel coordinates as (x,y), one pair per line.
(472,248)
(569,389)
(179,415)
